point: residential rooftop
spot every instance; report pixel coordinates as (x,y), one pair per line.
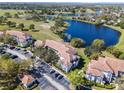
(65,50)
(27,79)
(22,36)
(107,64)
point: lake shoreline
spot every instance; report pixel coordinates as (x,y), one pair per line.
(76,31)
(118,29)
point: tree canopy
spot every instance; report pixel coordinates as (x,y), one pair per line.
(94,51)
(77,42)
(21,26)
(97,43)
(47,54)
(32,26)
(9,71)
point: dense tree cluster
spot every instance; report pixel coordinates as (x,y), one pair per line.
(7,39)
(9,71)
(115,51)
(47,54)
(94,51)
(58,27)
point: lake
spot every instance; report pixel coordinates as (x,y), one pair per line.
(89,32)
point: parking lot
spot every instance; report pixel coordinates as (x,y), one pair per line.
(16,54)
(54,77)
(48,77)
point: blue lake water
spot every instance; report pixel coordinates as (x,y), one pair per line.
(89,32)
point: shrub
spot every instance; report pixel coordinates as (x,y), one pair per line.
(114,51)
(100,85)
(108,86)
(89,83)
(111,86)
(32,26)
(35,30)
(95,55)
(25,29)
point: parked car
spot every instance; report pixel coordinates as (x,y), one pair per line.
(13,56)
(82,87)
(26,52)
(17,49)
(60,77)
(2,52)
(52,71)
(11,47)
(56,75)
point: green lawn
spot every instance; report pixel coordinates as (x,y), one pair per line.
(120,44)
(44,34)
(38,25)
(3,27)
(11,11)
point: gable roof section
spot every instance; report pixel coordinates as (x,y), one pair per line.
(27,79)
(113,65)
(20,35)
(66,51)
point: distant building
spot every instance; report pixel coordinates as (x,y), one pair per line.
(23,39)
(104,70)
(67,54)
(28,81)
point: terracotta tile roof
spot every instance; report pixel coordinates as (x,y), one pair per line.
(102,65)
(66,51)
(115,64)
(94,72)
(27,79)
(91,70)
(21,35)
(105,64)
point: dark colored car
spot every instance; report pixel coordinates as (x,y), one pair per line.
(13,56)
(52,71)
(2,52)
(82,87)
(26,52)
(17,49)
(56,75)
(11,47)
(60,77)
